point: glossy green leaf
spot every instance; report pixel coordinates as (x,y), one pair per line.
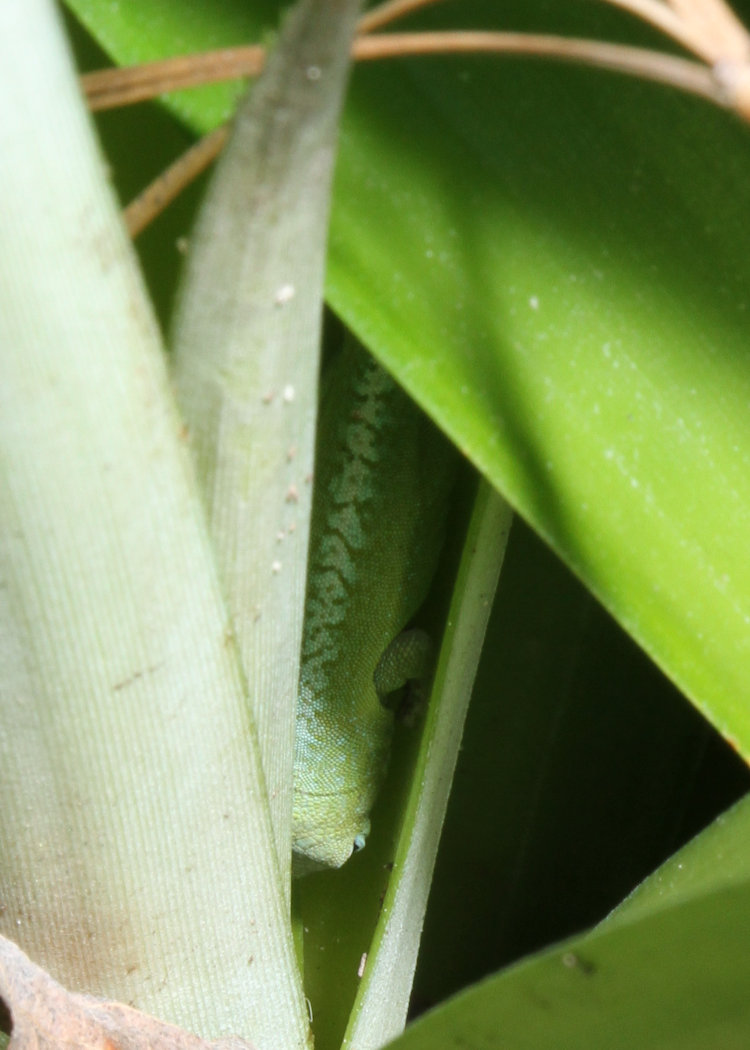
(553,261)
(718,857)
(581,770)
(558,255)
(673,979)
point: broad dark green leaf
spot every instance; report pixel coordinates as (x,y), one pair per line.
(553,260)
(678,978)
(581,769)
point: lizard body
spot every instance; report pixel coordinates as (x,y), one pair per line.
(383,476)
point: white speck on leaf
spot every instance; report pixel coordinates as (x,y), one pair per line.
(284,294)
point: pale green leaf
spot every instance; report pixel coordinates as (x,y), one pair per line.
(380,1009)
(137,852)
(246,341)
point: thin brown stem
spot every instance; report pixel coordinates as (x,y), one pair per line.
(724,37)
(388,12)
(162,191)
(108,88)
(653,65)
(113,87)
(662,17)
(727,83)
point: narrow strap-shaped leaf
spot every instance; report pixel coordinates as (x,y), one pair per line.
(380,1009)
(136,849)
(246,359)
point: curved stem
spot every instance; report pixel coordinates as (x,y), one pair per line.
(664,18)
(388,12)
(708,28)
(653,65)
(108,88)
(152,201)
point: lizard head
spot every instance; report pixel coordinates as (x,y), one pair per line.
(325,841)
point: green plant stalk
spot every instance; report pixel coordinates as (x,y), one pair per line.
(380,1009)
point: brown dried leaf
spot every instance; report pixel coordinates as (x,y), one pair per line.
(45,1016)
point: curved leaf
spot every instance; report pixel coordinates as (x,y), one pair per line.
(135,826)
(676,978)
(534,251)
(246,349)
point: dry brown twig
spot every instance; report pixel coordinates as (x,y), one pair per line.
(707,28)
(710,30)
(46,1016)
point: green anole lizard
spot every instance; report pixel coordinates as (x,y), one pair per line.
(382,481)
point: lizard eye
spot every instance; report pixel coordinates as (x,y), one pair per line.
(359,843)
